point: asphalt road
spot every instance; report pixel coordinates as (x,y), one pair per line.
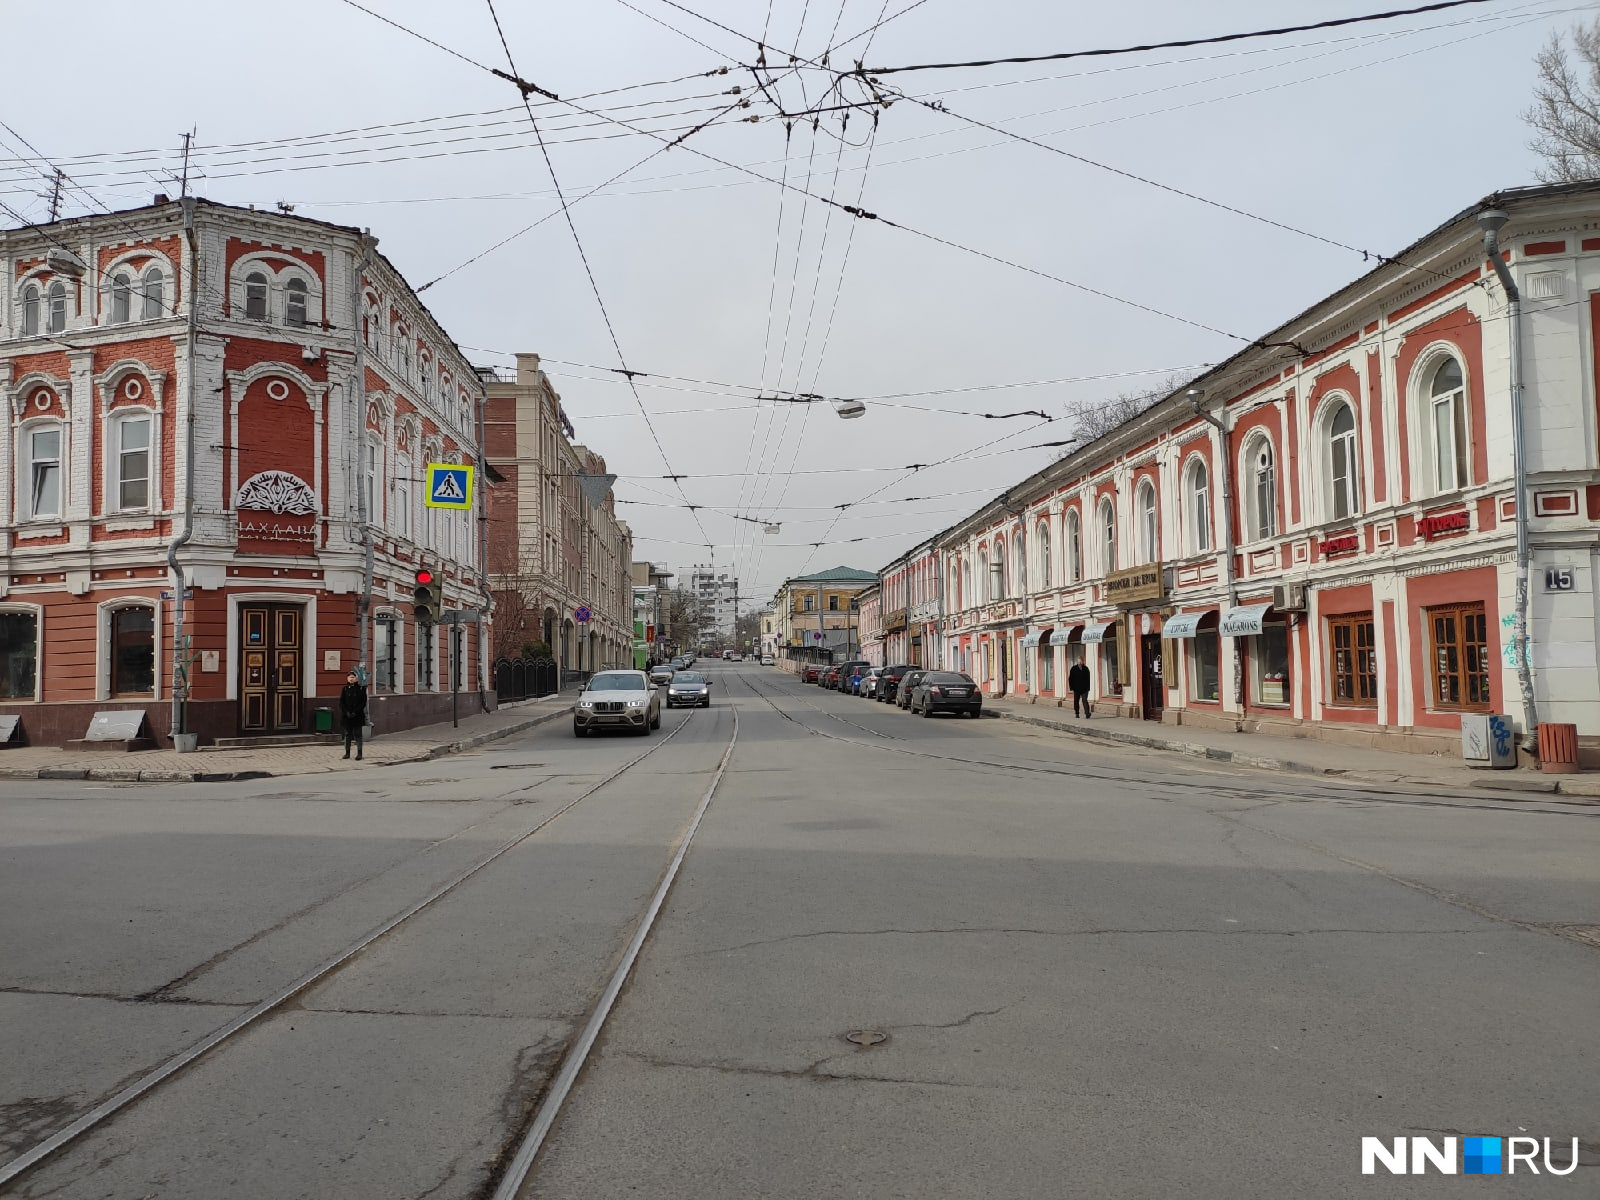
(1098,972)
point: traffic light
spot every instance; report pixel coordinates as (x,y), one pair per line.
(427,597)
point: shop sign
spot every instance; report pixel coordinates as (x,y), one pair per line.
(1136,585)
(1244,620)
(1347,544)
(1442,524)
(894,621)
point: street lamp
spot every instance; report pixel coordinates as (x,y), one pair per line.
(849,409)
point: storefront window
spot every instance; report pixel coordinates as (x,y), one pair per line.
(19,655)
(425,657)
(1460,645)
(383,675)
(133,652)
(1352,660)
(1047,669)
(1269,655)
(1110,666)
(1203,679)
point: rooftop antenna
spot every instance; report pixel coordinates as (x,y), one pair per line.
(188,138)
(55,194)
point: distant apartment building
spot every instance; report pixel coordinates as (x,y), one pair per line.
(717,603)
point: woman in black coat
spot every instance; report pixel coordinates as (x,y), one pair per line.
(353,710)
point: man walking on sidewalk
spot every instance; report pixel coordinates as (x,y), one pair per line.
(353,709)
(1078,682)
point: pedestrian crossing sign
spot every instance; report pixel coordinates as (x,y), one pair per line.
(449,486)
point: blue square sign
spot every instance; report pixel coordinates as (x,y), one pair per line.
(449,486)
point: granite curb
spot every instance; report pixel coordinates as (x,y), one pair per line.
(131,775)
(1580,789)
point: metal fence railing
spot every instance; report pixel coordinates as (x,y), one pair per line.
(522,678)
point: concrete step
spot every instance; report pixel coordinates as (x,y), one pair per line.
(269,741)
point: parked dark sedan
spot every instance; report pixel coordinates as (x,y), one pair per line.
(902,696)
(889,681)
(946,691)
(841,683)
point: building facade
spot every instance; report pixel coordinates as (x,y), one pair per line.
(911,608)
(1320,534)
(211,489)
(560,564)
(816,617)
(869,624)
(717,604)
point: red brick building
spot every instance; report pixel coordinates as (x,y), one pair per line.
(245,401)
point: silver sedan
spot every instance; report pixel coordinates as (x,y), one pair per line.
(617,700)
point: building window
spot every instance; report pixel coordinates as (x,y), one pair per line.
(1203,653)
(1448,428)
(1261,471)
(294,313)
(30,311)
(425,658)
(1343,465)
(810,601)
(19,655)
(44,472)
(255,296)
(997,572)
(1269,661)
(1147,522)
(1108,537)
(133,652)
(1110,664)
(121,298)
(1047,670)
(1197,499)
(384,678)
(1353,660)
(833,604)
(154,295)
(370,481)
(1046,575)
(402,498)
(1460,646)
(132,442)
(57,297)
(1074,548)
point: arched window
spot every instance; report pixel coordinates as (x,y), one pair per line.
(1019,563)
(1262,489)
(1074,547)
(1197,502)
(155,300)
(121,298)
(1046,574)
(30,311)
(133,651)
(294,313)
(1146,501)
(1108,537)
(57,297)
(255,296)
(1447,400)
(997,573)
(1344,476)
(966,582)
(42,443)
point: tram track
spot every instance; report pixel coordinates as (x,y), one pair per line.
(150,1081)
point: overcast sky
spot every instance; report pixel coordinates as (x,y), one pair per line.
(1367,136)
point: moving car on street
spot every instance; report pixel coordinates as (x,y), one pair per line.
(902,697)
(689,688)
(768,661)
(946,691)
(617,700)
(662,673)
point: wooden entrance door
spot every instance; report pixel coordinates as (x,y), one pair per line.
(1153,685)
(269,667)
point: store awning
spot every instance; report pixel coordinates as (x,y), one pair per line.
(1244,620)
(1184,624)
(1096,633)
(1064,635)
(1034,638)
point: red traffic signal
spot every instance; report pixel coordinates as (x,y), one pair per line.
(424,576)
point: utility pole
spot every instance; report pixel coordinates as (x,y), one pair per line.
(55,194)
(188,140)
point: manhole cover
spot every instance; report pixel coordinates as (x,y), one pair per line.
(513,766)
(866,1037)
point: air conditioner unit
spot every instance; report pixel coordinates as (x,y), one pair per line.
(1289,597)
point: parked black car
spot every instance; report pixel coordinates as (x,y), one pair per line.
(946,691)
(902,695)
(847,669)
(889,681)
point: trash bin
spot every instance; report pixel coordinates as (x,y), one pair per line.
(324,720)
(1558,749)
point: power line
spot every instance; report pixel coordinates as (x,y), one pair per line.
(1179,44)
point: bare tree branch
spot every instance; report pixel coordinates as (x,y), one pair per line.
(1565,114)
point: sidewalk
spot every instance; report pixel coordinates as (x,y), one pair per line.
(1308,756)
(220,766)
